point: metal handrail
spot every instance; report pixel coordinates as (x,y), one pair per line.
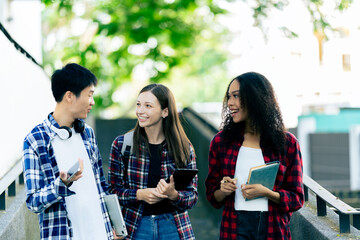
(8,182)
(324,197)
(202,119)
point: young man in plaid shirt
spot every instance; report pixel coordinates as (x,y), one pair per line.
(67,207)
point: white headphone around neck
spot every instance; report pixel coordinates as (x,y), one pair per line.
(65,132)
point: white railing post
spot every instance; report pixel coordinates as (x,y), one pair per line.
(354,154)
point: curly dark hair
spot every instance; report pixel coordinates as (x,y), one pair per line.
(258,99)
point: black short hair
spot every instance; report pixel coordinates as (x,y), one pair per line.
(72,77)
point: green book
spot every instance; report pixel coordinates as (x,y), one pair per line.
(264,174)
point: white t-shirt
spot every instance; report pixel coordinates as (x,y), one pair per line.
(84,207)
(246,159)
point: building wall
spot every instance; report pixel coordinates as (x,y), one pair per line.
(26,96)
(330,165)
(330,145)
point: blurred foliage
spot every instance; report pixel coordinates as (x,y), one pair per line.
(118,39)
(176,42)
(262,8)
(320,23)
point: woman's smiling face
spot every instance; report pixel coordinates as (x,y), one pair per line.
(148,110)
(233,102)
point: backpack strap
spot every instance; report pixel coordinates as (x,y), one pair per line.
(126,148)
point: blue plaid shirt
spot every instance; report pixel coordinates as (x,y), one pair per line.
(45,191)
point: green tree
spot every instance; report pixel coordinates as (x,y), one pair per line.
(177,42)
(114,38)
(322,28)
(262,8)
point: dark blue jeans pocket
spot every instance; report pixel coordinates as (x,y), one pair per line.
(251,225)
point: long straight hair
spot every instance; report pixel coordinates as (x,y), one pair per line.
(175,137)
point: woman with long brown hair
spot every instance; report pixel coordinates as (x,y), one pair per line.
(152,207)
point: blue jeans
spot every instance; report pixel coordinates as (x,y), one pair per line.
(251,225)
(157,227)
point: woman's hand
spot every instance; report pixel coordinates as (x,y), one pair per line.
(149,195)
(168,189)
(227,186)
(251,191)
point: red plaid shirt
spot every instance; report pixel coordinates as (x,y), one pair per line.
(125,185)
(222,162)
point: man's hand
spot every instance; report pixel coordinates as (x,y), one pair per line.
(115,236)
(149,195)
(65,177)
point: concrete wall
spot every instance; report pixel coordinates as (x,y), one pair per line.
(305,224)
(17,222)
(26,93)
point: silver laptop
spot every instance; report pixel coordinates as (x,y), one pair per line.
(116,217)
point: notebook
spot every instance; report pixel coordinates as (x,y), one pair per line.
(264,174)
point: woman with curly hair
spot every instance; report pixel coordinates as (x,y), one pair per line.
(252,133)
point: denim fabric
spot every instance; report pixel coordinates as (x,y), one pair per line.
(251,225)
(157,227)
